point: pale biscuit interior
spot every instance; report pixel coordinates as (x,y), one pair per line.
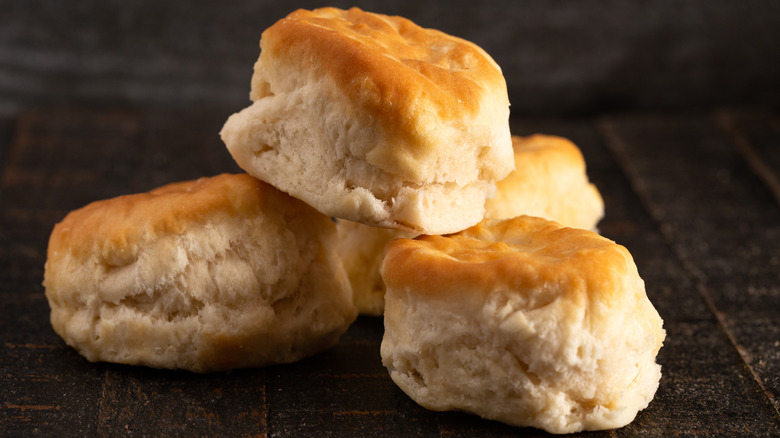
(374,119)
(550,181)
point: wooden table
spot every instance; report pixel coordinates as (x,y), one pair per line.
(694,196)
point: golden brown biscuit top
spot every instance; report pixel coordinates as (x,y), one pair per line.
(115,227)
(544,147)
(378,59)
(523,253)
(538,159)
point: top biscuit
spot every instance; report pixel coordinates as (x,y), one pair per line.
(374,119)
(406,77)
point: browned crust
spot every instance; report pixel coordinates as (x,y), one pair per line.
(115,227)
(522,253)
(562,148)
(390,67)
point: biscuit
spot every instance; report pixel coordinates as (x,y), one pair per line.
(549,181)
(360,248)
(214,274)
(374,119)
(521,321)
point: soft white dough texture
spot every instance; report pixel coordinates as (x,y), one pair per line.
(301,142)
(226,291)
(520,368)
(360,248)
(550,329)
(549,181)
(373,119)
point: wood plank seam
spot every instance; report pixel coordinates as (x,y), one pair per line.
(18,131)
(25,408)
(31,346)
(614,143)
(725,121)
(103,401)
(20,138)
(264,409)
(7,132)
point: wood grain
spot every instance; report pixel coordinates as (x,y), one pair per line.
(569,57)
(723,222)
(681,193)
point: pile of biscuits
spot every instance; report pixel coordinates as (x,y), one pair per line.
(381,179)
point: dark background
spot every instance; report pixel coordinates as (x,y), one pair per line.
(559,57)
(674,104)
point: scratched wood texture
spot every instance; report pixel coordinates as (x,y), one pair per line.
(694,196)
(558,57)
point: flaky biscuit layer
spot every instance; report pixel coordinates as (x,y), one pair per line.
(214,274)
(521,321)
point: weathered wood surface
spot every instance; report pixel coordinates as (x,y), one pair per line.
(558,57)
(693,196)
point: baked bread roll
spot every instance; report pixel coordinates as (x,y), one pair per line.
(549,181)
(521,321)
(360,248)
(214,274)
(374,119)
